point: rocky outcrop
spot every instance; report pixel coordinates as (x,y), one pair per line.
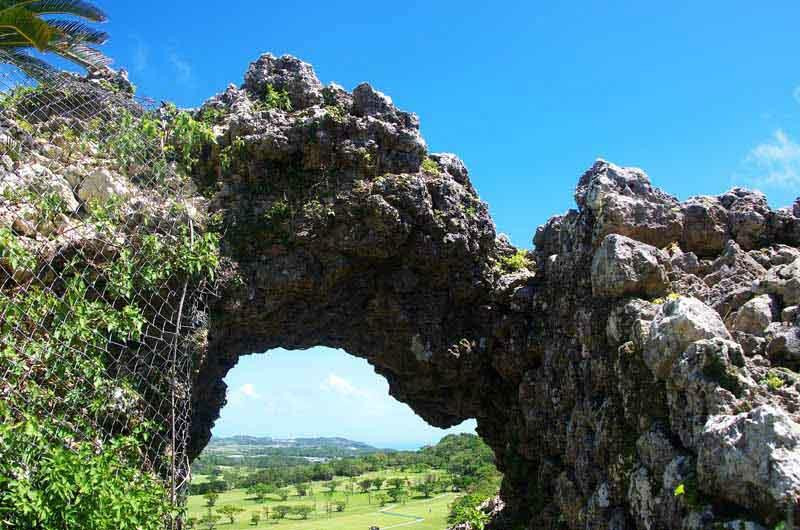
(638,374)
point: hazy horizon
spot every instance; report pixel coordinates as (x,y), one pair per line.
(320,392)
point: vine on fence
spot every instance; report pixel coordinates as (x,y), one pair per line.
(106,262)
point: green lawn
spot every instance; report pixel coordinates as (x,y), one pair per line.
(415,514)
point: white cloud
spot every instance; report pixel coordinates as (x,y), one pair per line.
(776,161)
(246,392)
(249,390)
(182,67)
(341,386)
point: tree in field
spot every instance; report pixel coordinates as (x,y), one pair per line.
(331,485)
(364,485)
(211,498)
(339,506)
(303,488)
(191,523)
(427,486)
(382,499)
(303,511)
(28,25)
(396,493)
(282,493)
(261,490)
(378,483)
(209,521)
(255,519)
(396,482)
(282,510)
(230,511)
(265,509)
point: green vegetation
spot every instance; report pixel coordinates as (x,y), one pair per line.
(26,27)
(430,166)
(670,297)
(370,488)
(516,262)
(71,421)
(44,485)
(14,253)
(276,99)
(773,381)
(336,113)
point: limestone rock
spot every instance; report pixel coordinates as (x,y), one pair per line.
(679,323)
(625,203)
(285,73)
(783,281)
(752,459)
(624,267)
(783,344)
(101,185)
(754,316)
(705,230)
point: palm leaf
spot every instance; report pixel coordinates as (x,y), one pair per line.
(33,29)
(74,31)
(84,55)
(76,8)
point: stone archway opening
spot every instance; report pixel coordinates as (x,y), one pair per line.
(320,393)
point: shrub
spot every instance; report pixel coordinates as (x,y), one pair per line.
(430,166)
(516,262)
(276,99)
(43,483)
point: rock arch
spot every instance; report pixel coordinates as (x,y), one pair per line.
(340,230)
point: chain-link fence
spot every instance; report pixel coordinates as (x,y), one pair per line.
(106,263)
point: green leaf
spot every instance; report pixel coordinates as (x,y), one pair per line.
(33,29)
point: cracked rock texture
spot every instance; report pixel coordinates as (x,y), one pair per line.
(650,349)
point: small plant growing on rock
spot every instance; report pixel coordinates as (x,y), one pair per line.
(336,113)
(276,99)
(516,262)
(14,253)
(668,298)
(430,166)
(773,381)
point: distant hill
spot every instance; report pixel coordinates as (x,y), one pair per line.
(255,446)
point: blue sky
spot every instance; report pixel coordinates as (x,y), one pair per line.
(701,95)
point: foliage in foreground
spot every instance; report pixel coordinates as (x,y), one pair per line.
(45,484)
(76,446)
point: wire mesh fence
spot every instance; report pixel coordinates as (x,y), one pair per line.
(106,264)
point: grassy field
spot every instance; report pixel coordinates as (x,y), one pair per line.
(416,513)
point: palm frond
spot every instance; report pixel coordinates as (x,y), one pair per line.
(75,8)
(36,31)
(85,56)
(74,31)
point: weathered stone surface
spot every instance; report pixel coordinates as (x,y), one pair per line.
(752,459)
(783,281)
(624,202)
(705,230)
(754,316)
(783,344)
(596,408)
(101,185)
(285,73)
(679,323)
(624,267)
